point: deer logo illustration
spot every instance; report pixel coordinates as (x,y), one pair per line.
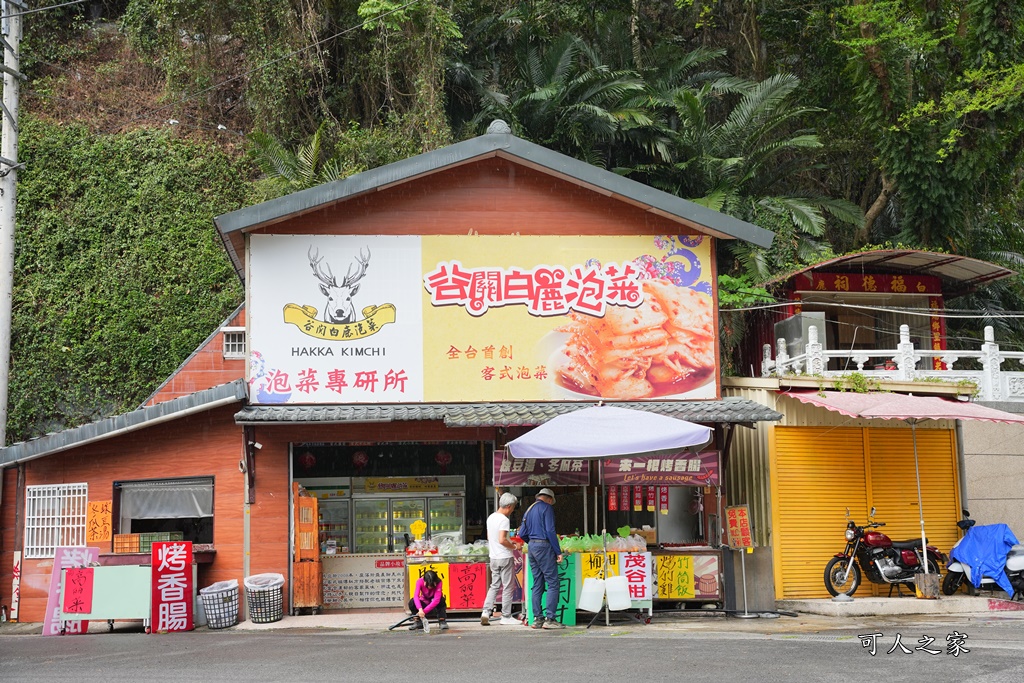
(339,308)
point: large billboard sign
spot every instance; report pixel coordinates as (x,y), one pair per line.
(407,319)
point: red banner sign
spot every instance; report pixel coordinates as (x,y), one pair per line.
(613,499)
(509,471)
(663,499)
(468,585)
(173,588)
(78,590)
(699,469)
(650,498)
(638,498)
(878,283)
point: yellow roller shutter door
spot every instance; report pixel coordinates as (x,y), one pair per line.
(819,472)
(894,487)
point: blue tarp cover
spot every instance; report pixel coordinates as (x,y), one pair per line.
(984,549)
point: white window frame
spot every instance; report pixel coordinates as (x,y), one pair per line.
(55,516)
(233,354)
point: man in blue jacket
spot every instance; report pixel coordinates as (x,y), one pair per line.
(545,553)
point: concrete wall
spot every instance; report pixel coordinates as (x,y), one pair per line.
(994,464)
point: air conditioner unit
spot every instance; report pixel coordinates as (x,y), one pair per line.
(796,331)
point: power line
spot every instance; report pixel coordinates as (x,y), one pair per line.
(42,9)
(265,65)
(924,312)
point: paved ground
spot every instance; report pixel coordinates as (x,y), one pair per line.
(795,616)
(695,648)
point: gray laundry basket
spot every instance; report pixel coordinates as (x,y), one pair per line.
(264,594)
(220,602)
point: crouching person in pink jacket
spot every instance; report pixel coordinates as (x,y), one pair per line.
(428,601)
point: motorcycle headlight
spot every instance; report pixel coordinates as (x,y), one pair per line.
(850,535)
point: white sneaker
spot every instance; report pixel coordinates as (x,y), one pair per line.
(509,621)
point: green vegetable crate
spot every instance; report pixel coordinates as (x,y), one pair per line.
(146,540)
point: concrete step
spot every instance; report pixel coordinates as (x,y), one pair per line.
(867,606)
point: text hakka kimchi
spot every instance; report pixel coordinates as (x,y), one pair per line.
(664,346)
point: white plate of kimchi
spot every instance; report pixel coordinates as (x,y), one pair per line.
(664,348)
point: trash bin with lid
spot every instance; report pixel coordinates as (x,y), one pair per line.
(220,603)
(265,595)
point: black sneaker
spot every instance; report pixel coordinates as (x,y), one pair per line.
(538,623)
(552,625)
(416,625)
(444,625)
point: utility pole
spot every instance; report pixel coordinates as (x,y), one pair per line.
(10,34)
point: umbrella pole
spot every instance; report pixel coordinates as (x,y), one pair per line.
(585,509)
(920,506)
(604,547)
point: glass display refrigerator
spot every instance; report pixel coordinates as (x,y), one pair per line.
(380,522)
(447,516)
(335,524)
(371,525)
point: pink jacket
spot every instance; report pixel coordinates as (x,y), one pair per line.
(424,594)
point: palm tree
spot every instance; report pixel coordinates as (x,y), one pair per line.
(565,98)
(738,148)
(286,171)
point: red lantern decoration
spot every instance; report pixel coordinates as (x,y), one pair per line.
(307,460)
(443,459)
(360,459)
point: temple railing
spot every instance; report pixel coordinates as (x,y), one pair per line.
(907,363)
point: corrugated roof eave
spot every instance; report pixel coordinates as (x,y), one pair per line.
(106,428)
(730,410)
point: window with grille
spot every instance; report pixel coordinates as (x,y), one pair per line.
(234,342)
(54,517)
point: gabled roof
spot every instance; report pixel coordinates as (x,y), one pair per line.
(732,410)
(497,142)
(195,352)
(959,274)
(200,401)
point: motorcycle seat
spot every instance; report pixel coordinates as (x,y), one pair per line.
(908,545)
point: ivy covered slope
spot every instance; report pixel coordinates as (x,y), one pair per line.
(119,273)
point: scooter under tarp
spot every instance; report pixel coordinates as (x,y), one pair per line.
(984,549)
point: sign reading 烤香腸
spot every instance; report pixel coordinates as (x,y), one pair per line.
(173,587)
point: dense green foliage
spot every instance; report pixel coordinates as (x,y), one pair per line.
(119,273)
(836,124)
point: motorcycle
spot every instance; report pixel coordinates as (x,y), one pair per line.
(882,560)
(959,573)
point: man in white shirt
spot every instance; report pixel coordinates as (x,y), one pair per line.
(502,564)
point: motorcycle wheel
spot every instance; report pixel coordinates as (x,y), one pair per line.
(834,571)
(952,582)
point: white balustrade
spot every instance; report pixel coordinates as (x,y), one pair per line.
(905,363)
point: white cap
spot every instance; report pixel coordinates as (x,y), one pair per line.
(546,492)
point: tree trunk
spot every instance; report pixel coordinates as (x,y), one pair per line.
(863,235)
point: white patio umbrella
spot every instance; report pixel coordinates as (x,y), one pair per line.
(605,431)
